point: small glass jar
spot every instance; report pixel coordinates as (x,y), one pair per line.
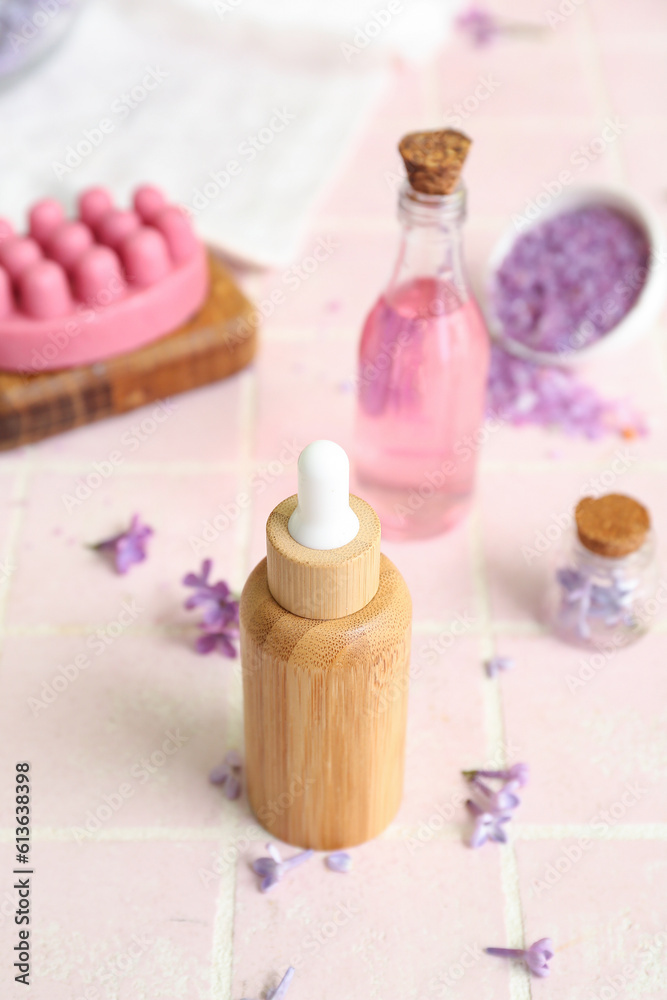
(603,584)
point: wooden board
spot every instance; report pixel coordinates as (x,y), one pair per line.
(218,341)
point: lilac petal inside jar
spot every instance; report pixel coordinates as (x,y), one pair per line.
(570,280)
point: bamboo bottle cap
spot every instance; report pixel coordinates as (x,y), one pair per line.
(323,546)
(614,525)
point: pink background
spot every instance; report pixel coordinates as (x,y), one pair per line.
(130,913)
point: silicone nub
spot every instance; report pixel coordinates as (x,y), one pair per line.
(145,257)
(323,518)
(45,217)
(6,230)
(18,253)
(97,277)
(93,204)
(175,226)
(69,241)
(115,225)
(148,201)
(44,290)
(6,300)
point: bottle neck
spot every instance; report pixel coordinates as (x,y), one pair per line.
(431,243)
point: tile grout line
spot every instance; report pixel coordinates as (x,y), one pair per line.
(222,950)
(222,947)
(528,832)
(494,726)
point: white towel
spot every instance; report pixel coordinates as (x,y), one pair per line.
(239,109)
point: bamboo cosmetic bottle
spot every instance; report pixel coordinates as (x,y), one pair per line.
(325,649)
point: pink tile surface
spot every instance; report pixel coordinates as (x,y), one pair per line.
(601,908)
(111,924)
(168,865)
(319,924)
(596,717)
(140,719)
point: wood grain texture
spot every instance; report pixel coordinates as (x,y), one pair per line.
(325,706)
(218,341)
(323,583)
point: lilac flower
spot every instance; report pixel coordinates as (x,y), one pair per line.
(220,623)
(537,957)
(502,801)
(479,25)
(228,774)
(273,868)
(129,546)
(488,825)
(498,663)
(608,598)
(517,772)
(281,990)
(483,27)
(339,861)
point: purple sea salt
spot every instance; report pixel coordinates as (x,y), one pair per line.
(569,280)
(521,392)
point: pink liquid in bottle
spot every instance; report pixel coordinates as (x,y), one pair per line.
(422,382)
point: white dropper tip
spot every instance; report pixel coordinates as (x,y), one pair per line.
(323,518)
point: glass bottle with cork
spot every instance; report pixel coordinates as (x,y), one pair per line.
(424,356)
(603,591)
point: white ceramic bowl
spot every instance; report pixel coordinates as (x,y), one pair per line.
(643,315)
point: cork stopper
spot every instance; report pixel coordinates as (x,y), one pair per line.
(323,583)
(613,525)
(434,160)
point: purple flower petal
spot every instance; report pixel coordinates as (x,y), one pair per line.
(129,547)
(339,861)
(232,787)
(281,990)
(220,614)
(206,643)
(498,663)
(536,957)
(219,774)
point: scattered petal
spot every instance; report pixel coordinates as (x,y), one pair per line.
(129,547)
(228,774)
(339,861)
(281,989)
(537,957)
(273,868)
(220,621)
(498,663)
(479,25)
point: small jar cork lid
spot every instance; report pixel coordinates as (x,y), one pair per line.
(614,525)
(323,583)
(434,160)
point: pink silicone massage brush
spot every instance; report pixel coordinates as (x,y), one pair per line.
(76,291)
